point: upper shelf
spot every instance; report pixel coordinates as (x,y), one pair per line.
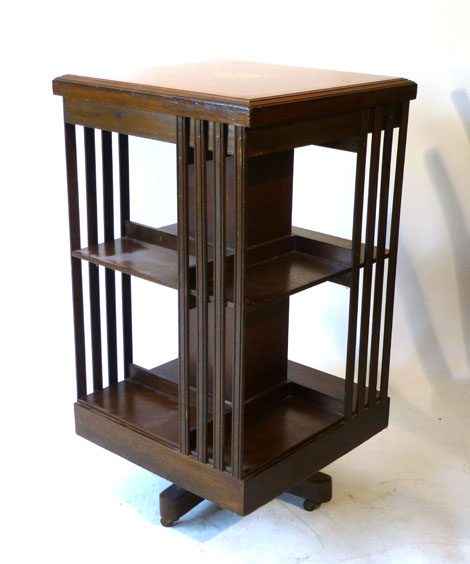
(242,93)
(135,257)
(283,276)
(275,270)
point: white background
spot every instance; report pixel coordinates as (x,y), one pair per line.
(402,497)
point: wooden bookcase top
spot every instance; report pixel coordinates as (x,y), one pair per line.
(246,93)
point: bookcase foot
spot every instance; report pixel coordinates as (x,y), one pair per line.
(315,490)
(176,502)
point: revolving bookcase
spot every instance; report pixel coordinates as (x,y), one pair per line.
(232,419)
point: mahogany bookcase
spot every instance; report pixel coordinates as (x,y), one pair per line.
(233,420)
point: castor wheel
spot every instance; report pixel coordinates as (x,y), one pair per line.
(311,505)
(167,522)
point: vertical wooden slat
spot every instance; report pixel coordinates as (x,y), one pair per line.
(94,283)
(108,205)
(182,148)
(392,263)
(238,384)
(380,260)
(355,262)
(125,278)
(74,231)
(220,149)
(201,286)
(368,258)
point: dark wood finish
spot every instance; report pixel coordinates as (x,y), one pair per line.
(276,269)
(93,273)
(77,286)
(337,131)
(392,263)
(126,289)
(128,121)
(317,387)
(227,92)
(201,286)
(220,151)
(162,378)
(183,282)
(313,455)
(110,279)
(355,262)
(381,255)
(134,405)
(266,348)
(137,258)
(238,379)
(368,261)
(169,463)
(286,275)
(232,420)
(176,502)
(292,415)
(240,496)
(316,490)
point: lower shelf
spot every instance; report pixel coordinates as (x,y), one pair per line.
(151,408)
(278,429)
(141,408)
(123,420)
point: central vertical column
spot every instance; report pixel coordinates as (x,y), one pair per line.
(228,205)
(268,212)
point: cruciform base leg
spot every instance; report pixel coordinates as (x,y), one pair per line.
(176,502)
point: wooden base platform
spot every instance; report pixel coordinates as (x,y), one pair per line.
(137,418)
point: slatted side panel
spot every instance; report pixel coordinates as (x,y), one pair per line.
(77,285)
(125,278)
(200,158)
(210,415)
(220,152)
(183,281)
(210,429)
(380,259)
(98,365)
(368,325)
(371,208)
(94,282)
(393,248)
(238,383)
(110,278)
(355,261)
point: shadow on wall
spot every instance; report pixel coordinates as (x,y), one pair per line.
(446,391)
(462,104)
(454,217)
(425,339)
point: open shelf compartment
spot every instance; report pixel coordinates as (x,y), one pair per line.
(147,404)
(275,270)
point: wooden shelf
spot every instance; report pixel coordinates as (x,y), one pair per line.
(151,254)
(275,431)
(136,257)
(283,276)
(141,408)
(148,404)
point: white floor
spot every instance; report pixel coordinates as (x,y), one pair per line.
(404,496)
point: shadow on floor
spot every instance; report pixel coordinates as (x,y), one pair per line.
(141,491)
